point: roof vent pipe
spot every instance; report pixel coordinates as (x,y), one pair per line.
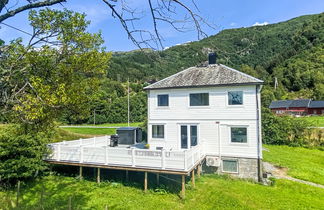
(212,58)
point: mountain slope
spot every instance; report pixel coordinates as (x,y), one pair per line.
(254,50)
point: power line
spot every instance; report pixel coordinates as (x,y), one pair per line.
(13,27)
(25,32)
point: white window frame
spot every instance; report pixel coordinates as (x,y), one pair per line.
(151,131)
(189,134)
(231,105)
(157,101)
(199,107)
(230,135)
(231,159)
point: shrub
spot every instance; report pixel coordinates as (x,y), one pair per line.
(21,154)
(284,129)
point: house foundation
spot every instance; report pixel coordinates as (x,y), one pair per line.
(247,168)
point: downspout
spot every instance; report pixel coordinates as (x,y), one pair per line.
(219,147)
(259,143)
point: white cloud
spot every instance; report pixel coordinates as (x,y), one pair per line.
(233,24)
(261,24)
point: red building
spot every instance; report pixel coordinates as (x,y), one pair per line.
(297,107)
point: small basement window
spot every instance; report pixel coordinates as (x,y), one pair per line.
(158,131)
(235,98)
(199,99)
(238,135)
(230,166)
(163,100)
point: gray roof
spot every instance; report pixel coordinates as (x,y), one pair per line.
(211,75)
(280,104)
(316,104)
(300,103)
(290,103)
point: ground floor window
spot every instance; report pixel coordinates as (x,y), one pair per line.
(238,134)
(158,131)
(230,165)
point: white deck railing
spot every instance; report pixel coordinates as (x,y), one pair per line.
(97,151)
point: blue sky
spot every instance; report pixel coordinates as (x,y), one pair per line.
(223,13)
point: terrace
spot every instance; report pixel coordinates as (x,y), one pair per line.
(96,152)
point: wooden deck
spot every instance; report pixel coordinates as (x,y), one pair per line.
(96,152)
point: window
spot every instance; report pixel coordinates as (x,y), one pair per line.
(230,166)
(199,99)
(158,131)
(163,100)
(189,136)
(193,135)
(235,98)
(238,135)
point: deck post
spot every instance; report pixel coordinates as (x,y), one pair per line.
(98,175)
(193,178)
(94,141)
(80,172)
(127,175)
(158,179)
(133,157)
(106,155)
(81,154)
(145,181)
(185,159)
(198,170)
(163,158)
(59,152)
(183,187)
(107,139)
(80,142)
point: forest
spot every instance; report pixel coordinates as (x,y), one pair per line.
(291,53)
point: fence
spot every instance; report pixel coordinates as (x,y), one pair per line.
(96,151)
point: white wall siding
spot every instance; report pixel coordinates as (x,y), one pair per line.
(218,109)
(208,135)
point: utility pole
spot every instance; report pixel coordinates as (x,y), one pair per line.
(128,103)
(94,116)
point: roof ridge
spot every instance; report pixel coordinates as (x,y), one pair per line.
(168,77)
(241,72)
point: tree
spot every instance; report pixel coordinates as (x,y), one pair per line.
(160,12)
(38,83)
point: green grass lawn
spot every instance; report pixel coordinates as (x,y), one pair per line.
(211,192)
(99,131)
(92,131)
(317,121)
(302,163)
(134,124)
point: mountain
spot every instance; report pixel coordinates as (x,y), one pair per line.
(288,51)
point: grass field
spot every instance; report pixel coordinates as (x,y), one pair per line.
(99,131)
(134,124)
(92,131)
(211,192)
(302,163)
(317,121)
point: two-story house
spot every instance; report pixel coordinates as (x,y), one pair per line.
(214,106)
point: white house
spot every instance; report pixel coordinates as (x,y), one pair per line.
(214,106)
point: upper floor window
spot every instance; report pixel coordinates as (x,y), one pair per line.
(238,134)
(235,98)
(163,100)
(199,99)
(158,131)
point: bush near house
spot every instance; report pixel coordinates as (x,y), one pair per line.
(21,154)
(287,130)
